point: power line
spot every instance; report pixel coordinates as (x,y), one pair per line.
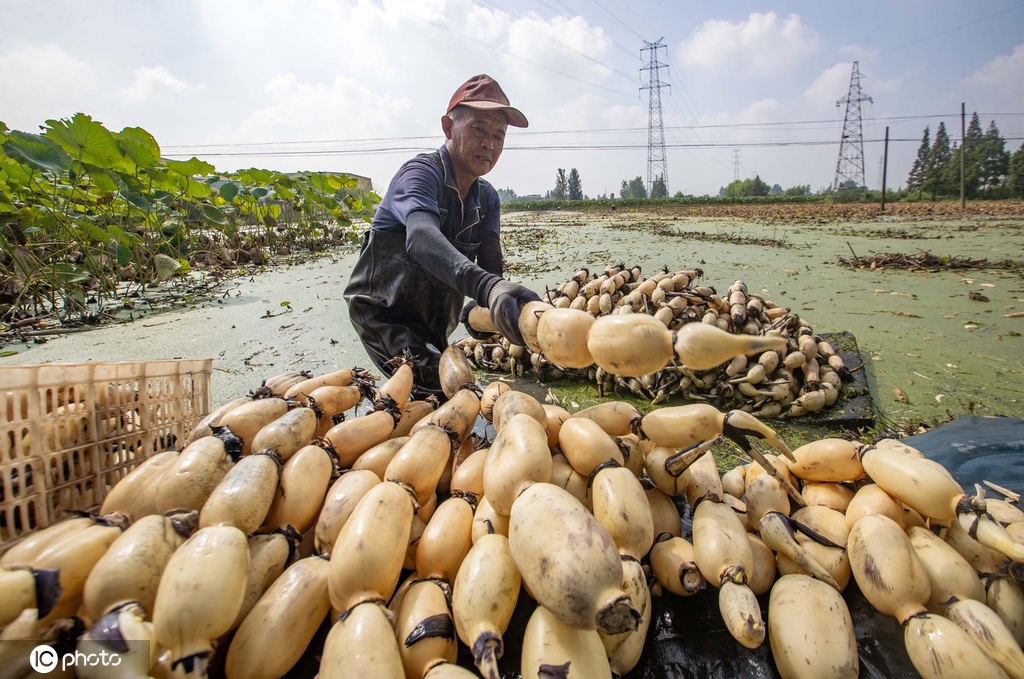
(617,19)
(572,12)
(438,24)
(633,12)
(798,125)
(556,147)
(559,42)
(940,33)
(695,114)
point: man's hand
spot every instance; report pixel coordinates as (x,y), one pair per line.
(470,330)
(505,300)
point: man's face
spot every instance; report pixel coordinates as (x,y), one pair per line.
(475,139)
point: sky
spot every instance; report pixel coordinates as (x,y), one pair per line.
(360,86)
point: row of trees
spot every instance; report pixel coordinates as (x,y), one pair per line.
(567,187)
(746,188)
(637,188)
(990,171)
(570,187)
(987,164)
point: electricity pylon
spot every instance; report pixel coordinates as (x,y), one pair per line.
(657,163)
(850,166)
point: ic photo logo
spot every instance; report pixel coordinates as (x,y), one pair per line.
(44,659)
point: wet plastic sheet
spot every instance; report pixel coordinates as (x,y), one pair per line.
(688,638)
(976,448)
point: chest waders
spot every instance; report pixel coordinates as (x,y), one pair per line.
(395,304)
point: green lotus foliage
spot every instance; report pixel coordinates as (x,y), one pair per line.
(87,215)
(139,147)
(37,152)
(85,140)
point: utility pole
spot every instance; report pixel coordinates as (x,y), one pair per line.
(963,156)
(885,165)
(735,165)
(657,163)
(850,166)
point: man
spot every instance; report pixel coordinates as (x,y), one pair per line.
(435,240)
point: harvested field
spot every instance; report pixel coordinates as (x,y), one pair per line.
(931,350)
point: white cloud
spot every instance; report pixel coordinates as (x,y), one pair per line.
(281,72)
(831,85)
(854,52)
(154,83)
(37,80)
(619,116)
(883,85)
(998,82)
(342,108)
(819,101)
(571,43)
(763,44)
(763,110)
(556,61)
(1006,70)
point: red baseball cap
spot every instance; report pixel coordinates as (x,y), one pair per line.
(483,92)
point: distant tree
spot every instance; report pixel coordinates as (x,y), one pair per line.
(798,190)
(506,195)
(737,189)
(574,188)
(937,180)
(974,143)
(678,194)
(745,188)
(561,190)
(634,188)
(625,191)
(758,187)
(919,171)
(776,190)
(658,188)
(949,175)
(995,159)
(1015,173)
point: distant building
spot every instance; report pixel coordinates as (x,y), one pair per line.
(365,183)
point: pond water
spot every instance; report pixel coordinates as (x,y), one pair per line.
(918,333)
(931,352)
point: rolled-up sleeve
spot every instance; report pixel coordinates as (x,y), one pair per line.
(415,187)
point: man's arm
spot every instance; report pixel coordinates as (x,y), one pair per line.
(427,245)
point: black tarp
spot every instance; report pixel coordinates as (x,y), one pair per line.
(687,638)
(978,448)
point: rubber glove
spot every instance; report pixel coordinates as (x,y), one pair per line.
(505,300)
(464,319)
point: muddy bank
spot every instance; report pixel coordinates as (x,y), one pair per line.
(290,317)
(932,350)
(936,344)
